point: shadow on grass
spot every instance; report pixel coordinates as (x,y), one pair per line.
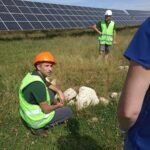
(75,141)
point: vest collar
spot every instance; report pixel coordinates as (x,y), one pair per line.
(35,72)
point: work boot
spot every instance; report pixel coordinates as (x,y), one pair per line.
(39,132)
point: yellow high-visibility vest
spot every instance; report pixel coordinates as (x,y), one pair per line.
(31,113)
(107,33)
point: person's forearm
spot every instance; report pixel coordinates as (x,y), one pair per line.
(59,92)
(50,108)
(127,115)
(114,36)
(95,29)
(133,93)
(54,88)
(126,122)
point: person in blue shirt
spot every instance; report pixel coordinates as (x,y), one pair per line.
(134,103)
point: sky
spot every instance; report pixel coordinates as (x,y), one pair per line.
(109,4)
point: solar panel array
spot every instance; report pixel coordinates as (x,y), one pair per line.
(138,15)
(122,19)
(21,15)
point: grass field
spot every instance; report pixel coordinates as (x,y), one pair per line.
(77,65)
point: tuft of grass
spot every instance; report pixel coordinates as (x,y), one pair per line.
(78,65)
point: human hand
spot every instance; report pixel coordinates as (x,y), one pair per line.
(114,42)
(59,104)
(61,97)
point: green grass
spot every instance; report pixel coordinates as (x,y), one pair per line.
(77,65)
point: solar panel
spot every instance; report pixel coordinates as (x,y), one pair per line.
(40,5)
(19,17)
(6,17)
(30,17)
(29,4)
(3,8)
(138,16)
(19,3)
(2,26)
(12,25)
(44,11)
(41,17)
(7,2)
(26,25)
(51,17)
(26,15)
(24,9)
(37,25)
(47,25)
(13,9)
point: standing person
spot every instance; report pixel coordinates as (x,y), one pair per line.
(134,103)
(37,107)
(107,34)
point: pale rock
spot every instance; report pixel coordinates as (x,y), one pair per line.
(123,67)
(87,96)
(126,67)
(104,101)
(94,119)
(71,102)
(70,94)
(114,95)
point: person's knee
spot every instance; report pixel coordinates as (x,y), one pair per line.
(102,52)
(69,111)
(108,48)
(107,52)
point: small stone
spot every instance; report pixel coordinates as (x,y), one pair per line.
(94,119)
(104,101)
(114,95)
(71,102)
(70,94)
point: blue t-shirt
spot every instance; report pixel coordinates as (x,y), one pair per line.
(139,48)
(139,51)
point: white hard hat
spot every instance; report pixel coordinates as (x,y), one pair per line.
(108,13)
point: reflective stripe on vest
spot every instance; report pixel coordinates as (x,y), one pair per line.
(32,114)
(107,33)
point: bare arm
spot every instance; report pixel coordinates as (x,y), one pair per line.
(59,92)
(95,29)
(46,108)
(114,37)
(131,100)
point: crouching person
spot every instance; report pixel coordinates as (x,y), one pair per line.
(37,108)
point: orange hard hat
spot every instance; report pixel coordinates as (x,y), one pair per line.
(44,57)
